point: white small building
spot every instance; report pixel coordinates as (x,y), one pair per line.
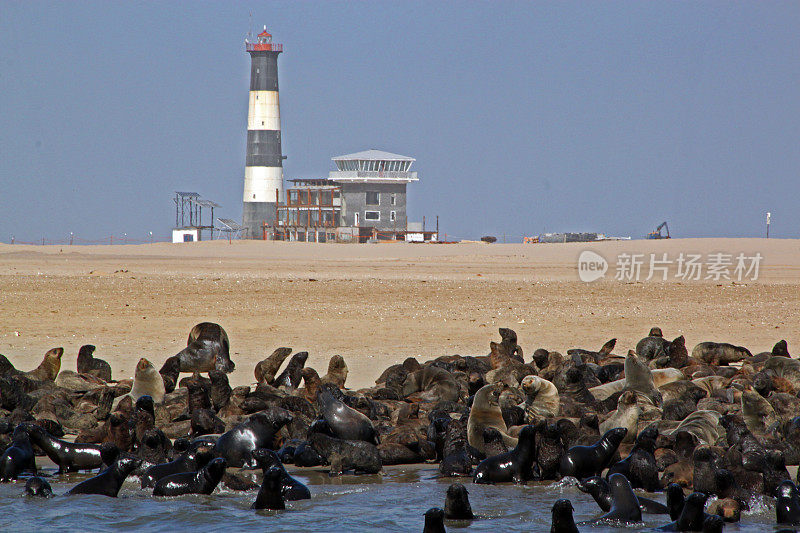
(185,235)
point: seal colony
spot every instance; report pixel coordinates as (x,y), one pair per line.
(717,422)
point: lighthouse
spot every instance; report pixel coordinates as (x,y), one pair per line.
(263,173)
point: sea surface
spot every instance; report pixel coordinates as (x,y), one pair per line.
(393,501)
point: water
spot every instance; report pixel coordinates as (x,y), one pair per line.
(393,501)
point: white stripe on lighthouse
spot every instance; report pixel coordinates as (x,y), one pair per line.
(260,184)
(264,112)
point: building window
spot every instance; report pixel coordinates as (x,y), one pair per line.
(373,198)
(393,216)
(372,215)
(393,199)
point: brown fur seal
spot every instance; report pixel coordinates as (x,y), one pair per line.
(337,371)
(435,384)
(588,356)
(702,425)
(498,358)
(484,412)
(626,416)
(48,369)
(147,382)
(266,370)
(509,344)
(660,377)
(208,348)
(88,364)
(720,353)
(786,368)
(541,398)
(757,412)
(639,378)
(312,384)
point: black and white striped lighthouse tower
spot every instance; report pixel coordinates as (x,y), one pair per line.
(263,173)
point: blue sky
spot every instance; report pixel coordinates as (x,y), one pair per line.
(524,117)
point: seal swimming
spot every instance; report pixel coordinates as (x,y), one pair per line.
(109,481)
(204,481)
(624,504)
(562,521)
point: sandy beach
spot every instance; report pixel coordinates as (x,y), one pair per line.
(378,304)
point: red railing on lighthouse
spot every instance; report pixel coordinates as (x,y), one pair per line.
(264,47)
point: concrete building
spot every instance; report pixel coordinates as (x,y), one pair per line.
(263,173)
(363,199)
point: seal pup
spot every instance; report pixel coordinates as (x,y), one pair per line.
(562,521)
(337,372)
(345,422)
(291,489)
(109,481)
(624,504)
(485,411)
(640,467)
(515,465)
(675,500)
(88,364)
(456,503)
(541,398)
(586,461)
(270,495)
(266,370)
(204,481)
(258,431)
(787,504)
(18,457)
(69,456)
(434,521)
(38,487)
(49,367)
(692,515)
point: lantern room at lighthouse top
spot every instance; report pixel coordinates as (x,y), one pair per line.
(263,43)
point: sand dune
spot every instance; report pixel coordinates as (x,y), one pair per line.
(377,304)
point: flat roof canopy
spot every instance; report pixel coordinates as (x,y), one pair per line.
(373,155)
